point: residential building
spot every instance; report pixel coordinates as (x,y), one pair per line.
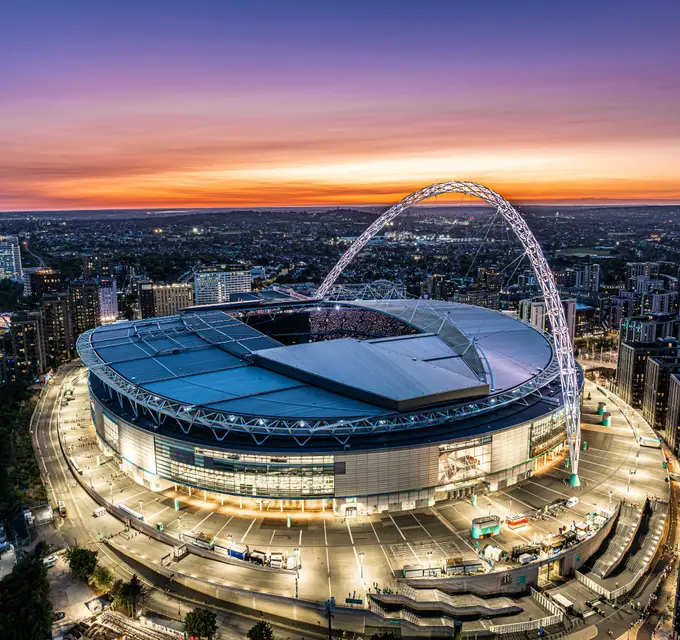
(26,345)
(658,372)
(10,258)
(59,334)
(164,299)
(632,365)
(98,266)
(84,297)
(636,269)
(672,435)
(108,300)
(486,299)
(647,328)
(43,281)
(212,285)
(534,311)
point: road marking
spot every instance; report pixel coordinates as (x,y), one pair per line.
(325,537)
(397,526)
(374,531)
(300,539)
(349,530)
(421,525)
(447,524)
(248,530)
(134,495)
(224,526)
(413,552)
(155,515)
(387,558)
(201,522)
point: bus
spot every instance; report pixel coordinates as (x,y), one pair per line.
(74,464)
(61,508)
(131,512)
(517,521)
(649,441)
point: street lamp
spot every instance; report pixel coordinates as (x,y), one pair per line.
(179,521)
(141,507)
(361,564)
(429,559)
(230,542)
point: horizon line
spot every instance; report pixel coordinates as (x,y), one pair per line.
(535,203)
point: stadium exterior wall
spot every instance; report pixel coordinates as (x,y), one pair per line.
(354,483)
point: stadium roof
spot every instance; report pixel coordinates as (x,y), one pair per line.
(207,358)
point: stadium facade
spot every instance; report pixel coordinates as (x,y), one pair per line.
(360,406)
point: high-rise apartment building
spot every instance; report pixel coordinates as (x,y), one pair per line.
(59,335)
(10,258)
(43,281)
(632,366)
(634,270)
(672,435)
(581,276)
(486,299)
(534,311)
(658,373)
(108,300)
(26,345)
(84,297)
(164,299)
(212,285)
(647,328)
(98,266)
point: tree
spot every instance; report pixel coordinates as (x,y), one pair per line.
(201,623)
(261,631)
(101,579)
(26,610)
(81,561)
(128,596)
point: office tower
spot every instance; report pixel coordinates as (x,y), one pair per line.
(10,258)
(85,310)
(108,300)
(212,285)
(59,335)
(658,372)
(164,299)
(27,345)
(632,366)
(673,414)
(533,311)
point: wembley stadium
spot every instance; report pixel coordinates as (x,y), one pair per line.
(358,406)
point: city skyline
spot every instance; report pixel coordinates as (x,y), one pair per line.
(166,105)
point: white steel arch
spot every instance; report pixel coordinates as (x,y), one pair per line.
(544,276)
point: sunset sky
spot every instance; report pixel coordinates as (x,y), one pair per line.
(179,104)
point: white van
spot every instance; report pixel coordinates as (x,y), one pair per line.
(572,502)
(99,511)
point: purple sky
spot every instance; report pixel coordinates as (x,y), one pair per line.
(112,104)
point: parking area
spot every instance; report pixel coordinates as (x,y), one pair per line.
(355,554)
